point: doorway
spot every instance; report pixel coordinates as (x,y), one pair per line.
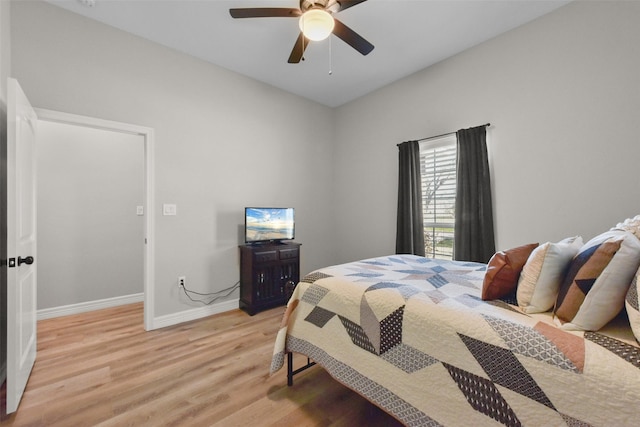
(90,214)
(102,250)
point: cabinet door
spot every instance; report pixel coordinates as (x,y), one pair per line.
(262,283)
(289,272)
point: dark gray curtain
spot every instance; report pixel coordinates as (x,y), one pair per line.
(410,228)
(474,238)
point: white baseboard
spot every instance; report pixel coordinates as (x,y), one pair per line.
(193,314)
(158,322)
(66,310)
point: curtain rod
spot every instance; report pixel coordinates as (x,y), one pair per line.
(445,134)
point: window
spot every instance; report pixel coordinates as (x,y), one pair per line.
(438,170)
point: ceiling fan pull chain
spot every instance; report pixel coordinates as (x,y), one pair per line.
(303,39)
(330,57)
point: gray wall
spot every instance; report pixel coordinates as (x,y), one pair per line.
(5,66)
(563,97)
(561,93)
(90,240)
(223,141)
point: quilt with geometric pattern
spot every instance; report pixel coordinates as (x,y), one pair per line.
(412,335)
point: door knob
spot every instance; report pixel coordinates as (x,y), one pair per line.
(26,260)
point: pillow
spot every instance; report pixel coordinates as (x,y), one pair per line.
(630,224)
(633,305)
(594,290)
(543,273)
(503,271)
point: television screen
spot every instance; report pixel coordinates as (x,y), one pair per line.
(268,224)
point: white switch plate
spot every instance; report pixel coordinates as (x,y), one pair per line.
(169,210)
(139,210)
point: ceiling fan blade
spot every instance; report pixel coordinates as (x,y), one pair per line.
(352,38)
(265,12)
(298,49)
(346,4)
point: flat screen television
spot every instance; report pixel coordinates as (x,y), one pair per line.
(263,225)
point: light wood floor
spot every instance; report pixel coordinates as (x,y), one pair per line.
(102,368)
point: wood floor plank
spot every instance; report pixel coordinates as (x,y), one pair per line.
(102,368)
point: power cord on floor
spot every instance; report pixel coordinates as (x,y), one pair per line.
(215,295)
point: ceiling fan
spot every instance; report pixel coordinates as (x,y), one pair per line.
(316,23)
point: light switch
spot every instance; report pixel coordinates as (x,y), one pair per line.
(169,210)
(139,210)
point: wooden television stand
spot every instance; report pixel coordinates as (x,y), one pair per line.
(265,270)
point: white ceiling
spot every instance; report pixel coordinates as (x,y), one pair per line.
(408,35)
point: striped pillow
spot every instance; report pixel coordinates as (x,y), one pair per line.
(593,291)
(633,305)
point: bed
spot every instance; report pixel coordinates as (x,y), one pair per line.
(413,336)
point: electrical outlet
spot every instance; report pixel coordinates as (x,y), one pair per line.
(182,281)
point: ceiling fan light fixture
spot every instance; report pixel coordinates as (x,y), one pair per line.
(316,24)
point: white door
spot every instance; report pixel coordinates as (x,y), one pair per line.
(21,243)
